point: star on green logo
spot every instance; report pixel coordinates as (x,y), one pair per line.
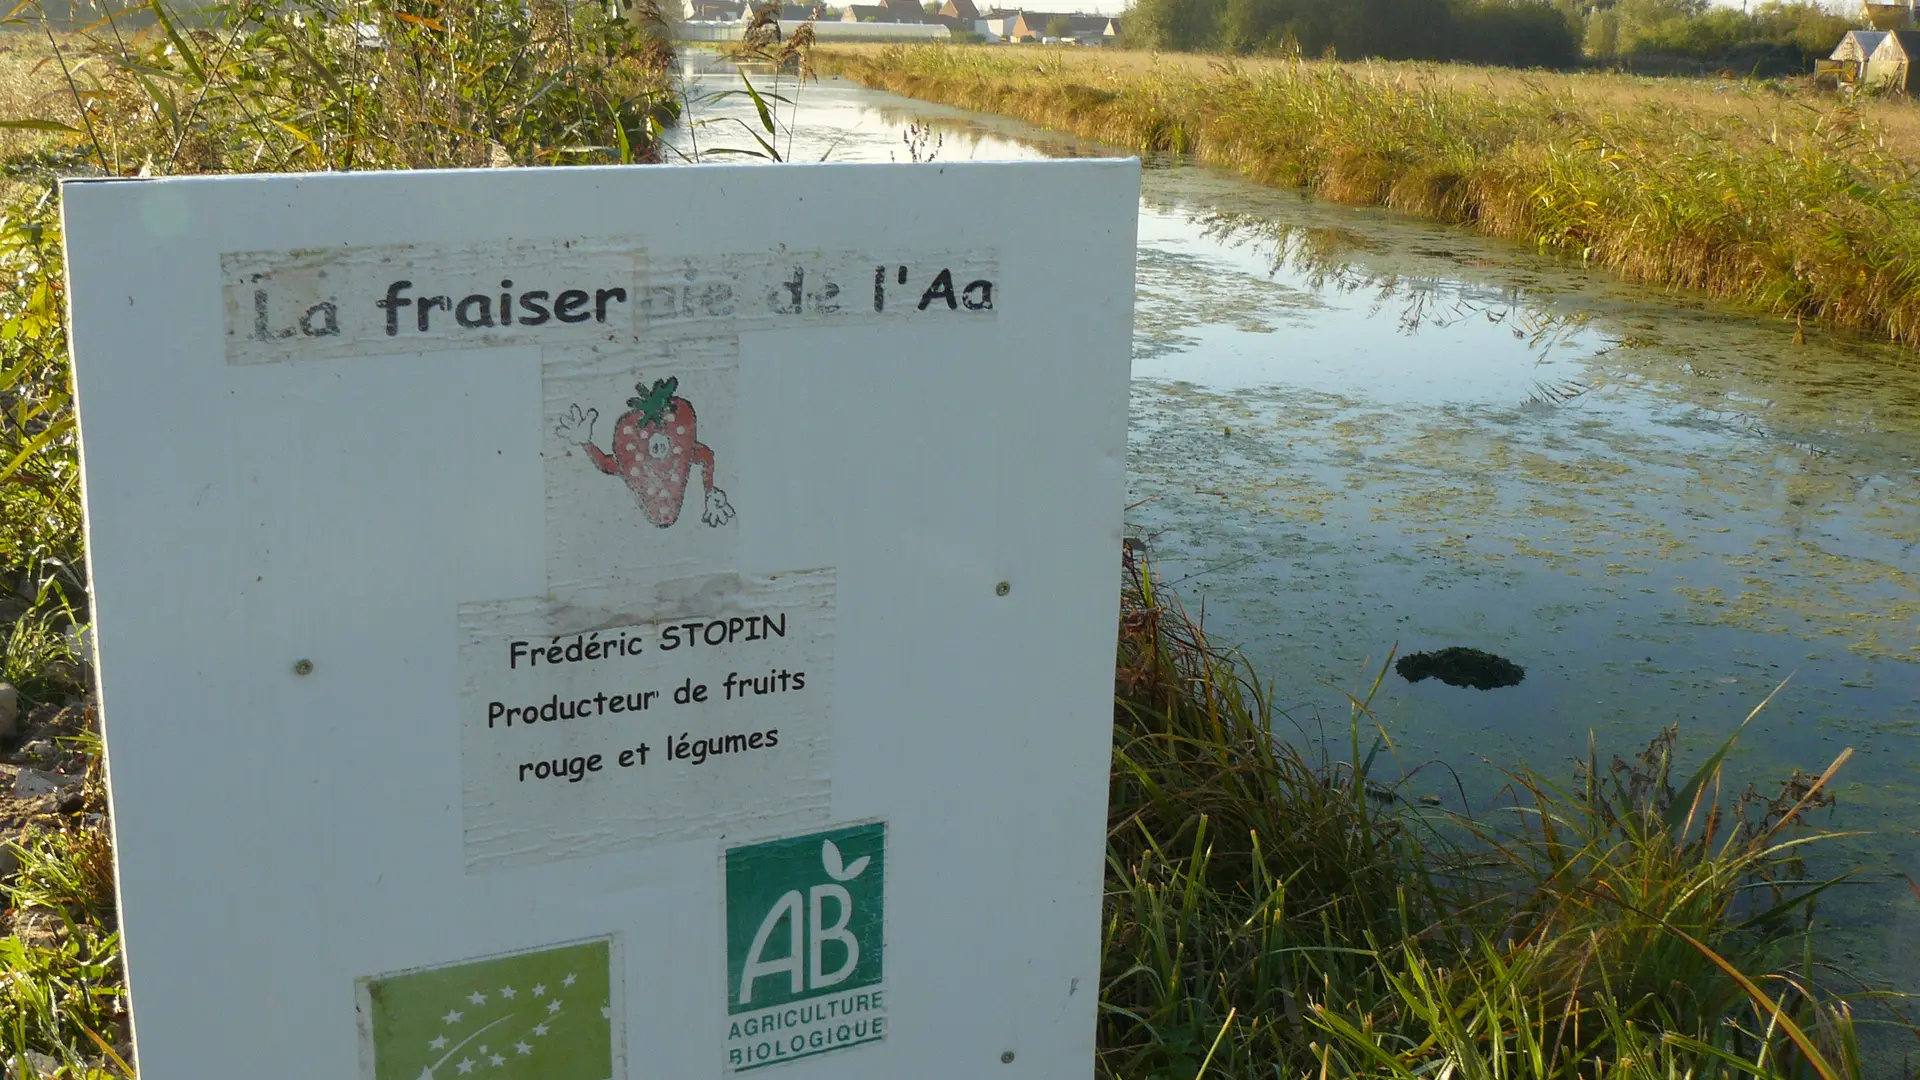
(540,1015)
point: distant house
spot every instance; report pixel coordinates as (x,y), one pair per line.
(996,25)
(1037,25)
(800,13)
(1849,59)
(718,10)
(1031,25)
(1891,64)
(1857,45)
(957,16)
(1095,29)
(893,11)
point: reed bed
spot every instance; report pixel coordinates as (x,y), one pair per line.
(1801,207)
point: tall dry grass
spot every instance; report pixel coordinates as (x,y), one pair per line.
(258,86)
(32,85)
(1771,198)
(1762,103)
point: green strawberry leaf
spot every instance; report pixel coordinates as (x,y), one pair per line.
(655,404)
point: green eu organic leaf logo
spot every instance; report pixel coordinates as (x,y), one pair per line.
(805,916)
(540,1015)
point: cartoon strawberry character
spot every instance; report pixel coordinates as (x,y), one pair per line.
(654,447)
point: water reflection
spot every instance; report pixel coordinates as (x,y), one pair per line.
(1327,258)
(1354,432)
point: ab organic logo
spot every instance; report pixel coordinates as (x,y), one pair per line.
(806,921)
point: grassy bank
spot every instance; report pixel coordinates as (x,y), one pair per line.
(1764,195)
(1279,907)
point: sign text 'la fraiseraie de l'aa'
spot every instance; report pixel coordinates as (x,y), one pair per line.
(608,623)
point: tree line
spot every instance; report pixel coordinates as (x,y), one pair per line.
(1773,38)
(1777,37)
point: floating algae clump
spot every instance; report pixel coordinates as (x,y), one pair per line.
(1458,666)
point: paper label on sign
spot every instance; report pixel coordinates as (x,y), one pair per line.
(400,298)
(772,290)
(640,447)
(620,718)
(325,303)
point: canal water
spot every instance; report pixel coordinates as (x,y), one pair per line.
(1354,433)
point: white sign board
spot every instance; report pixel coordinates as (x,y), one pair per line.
(601,623)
